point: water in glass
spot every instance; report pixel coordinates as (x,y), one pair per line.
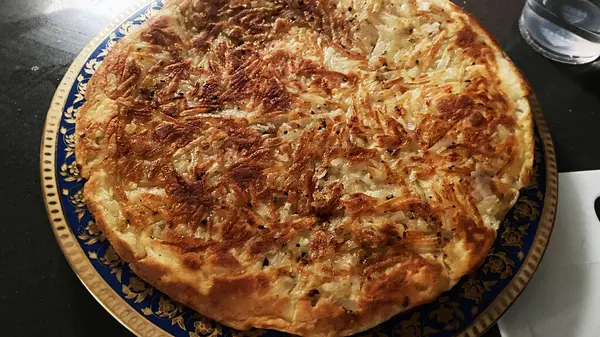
(563,30)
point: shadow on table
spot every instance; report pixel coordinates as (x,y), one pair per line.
(588,75)
(37,50)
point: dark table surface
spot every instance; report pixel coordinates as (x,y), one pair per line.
(39,293)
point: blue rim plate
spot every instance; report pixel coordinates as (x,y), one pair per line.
(468,309)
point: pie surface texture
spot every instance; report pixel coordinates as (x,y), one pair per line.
(309,166)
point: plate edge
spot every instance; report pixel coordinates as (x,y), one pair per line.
(74,254)
(509,294)
(141,326)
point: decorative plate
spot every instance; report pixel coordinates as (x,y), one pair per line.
(468,309)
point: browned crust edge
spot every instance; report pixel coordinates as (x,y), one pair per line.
(476,25)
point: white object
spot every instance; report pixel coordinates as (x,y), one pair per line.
(563,297)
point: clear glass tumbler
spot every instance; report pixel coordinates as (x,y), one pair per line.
(566,31)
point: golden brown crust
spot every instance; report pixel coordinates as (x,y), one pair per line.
(307,166)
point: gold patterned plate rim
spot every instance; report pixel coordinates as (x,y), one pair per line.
(140,325)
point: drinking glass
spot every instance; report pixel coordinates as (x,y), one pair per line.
(566,31)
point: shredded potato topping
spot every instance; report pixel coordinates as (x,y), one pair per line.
(312,166)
